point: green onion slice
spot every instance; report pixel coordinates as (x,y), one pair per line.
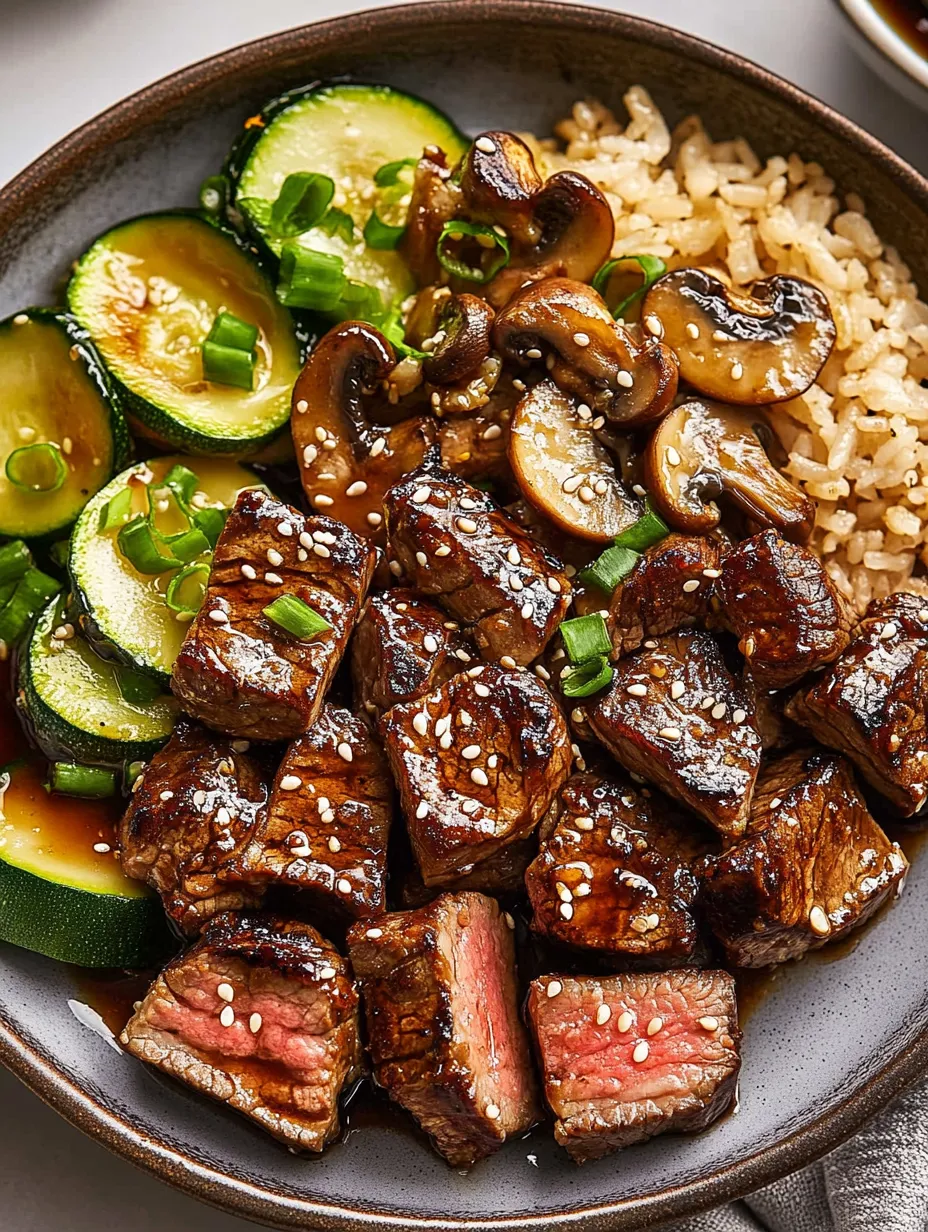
(117,510)
(380,235)
(211,521)
(391,173)
(144,548)
(488,238)
(91,782)
(609,569)
(392,330)
(231,331)
(310,279)
(291,613)
(59,553)
(183,482)
(37,468)
(302,201)
(228,365)
(360,302)
(15,559)
(188,545)
(587,678)
(337,222)
(32,591)
(136,688)
(648,530)
(586,637)
(186,590)
(652,268)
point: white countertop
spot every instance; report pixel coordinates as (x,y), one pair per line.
(61,61)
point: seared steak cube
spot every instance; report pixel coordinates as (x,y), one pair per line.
(477,763)
(502,875)
(190,819)
(451,541)
(262,1015)
(629,1056)
(605,881)
(675,715)
(238,670)
(671,587)
(871,702)
(326,826)
(403,646)
(787,612)
(446,1040)
(813,865)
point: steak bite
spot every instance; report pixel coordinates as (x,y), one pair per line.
(262,1015)
(671,587)
(813,865)
(445,1037)
(239,671)
(607,879)
(871,702)
(787,612)
(451,541)
(629,1056)
(477,764)
(190,819)
(403,646)
(326,827)
(675,715)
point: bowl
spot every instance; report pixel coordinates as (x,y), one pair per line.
(892,36)
(831,1041)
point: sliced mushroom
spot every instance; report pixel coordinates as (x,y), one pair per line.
(499,181)
(590,356)
(563,469)
(704,450)
(748,349)
(461,342)
(347,464)
(436,199)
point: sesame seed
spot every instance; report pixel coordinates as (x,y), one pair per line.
(254,1023)
(708,1023)
(302,406)
(572,483)
(421,560)
(420,722)
(819,921)
(563,892)
(533,353)
(273,579)
(285,529)
(479,777)
(642,1051)
(707,703)
(515,582)
(249,572)
(624,1023)
(227,1017)
(507,661)
(692,330)
(655,1025)
(890,629)
(466,503)
(485,145)
(624,378)
(467,525)
(567,910)
(670,733)
(421,495)
(327,817)
(923,613)
(443,550)
(492,432)
(396,568)
(21,319)
(527,610)
(219,616)
(738,716)
(690,586)
(101,848)
(584,823)
(737,371)
(586,494)
(166,795)
(374,933)
(672,456)
(603,1014)
(492,1111)
(677,689)
(481,690)
(223,816)
(600,487)
(443,725)
(226,992)
(554,988)
(653,326)
(343,885)
(894,742)
(329,973)
(581,339)
(310,453)
(344,751)
(542,672)
(718,711)
(582,890)
(470,807)
(334,844)
(422,811)
(274,557)
(378,446)
(322,500)
(429,643)
(584,411)
(199,798)
(510,922)
(358,488)
(290,782)
(321,550)
(637,690)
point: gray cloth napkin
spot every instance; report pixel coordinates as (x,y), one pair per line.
(876,1182)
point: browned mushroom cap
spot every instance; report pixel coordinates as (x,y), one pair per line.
(499,180)
(563,469)
(704,450)
(436,199)
(749,349)
(594,358)
(461,342)
(346,463)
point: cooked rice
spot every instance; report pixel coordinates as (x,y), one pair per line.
(858,439)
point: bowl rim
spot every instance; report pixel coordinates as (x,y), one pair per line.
(880,33)
(87,1111)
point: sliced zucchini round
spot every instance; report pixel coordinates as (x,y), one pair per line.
(59,895)
(148,292)
(121,612)
(62,432)
(346,132)
(78,705)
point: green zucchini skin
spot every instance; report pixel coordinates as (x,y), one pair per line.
(81,350)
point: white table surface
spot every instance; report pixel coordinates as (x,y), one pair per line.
(61,61)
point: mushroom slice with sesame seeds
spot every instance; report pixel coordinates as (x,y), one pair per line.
(331,829)
(462,810)
(789,615)
(704,451)
(632,383)
(189,846)
(346,462)
(403,647)
(754,348)
(813,865)
(563,469)
(463,322)
(474,444)
(617,864)
(441,1000)
(457,546)
(608,1081)
(262,1015)
(436,199)
(872,701)
(248,675)
(707,758)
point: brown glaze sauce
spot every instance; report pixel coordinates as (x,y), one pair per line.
(909,19)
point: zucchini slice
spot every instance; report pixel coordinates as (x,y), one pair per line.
(60,896)
(75,706)
(148,292)
(57,397)
(123,613)
(346,132)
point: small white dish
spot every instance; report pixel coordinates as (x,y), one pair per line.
(886,50)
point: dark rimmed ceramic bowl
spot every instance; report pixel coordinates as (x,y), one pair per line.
(833,1041)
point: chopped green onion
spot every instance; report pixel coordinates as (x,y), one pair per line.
(228,330)
(214,196)
(586,637)
(188,545)
(59,552)
(360,302)
(91,782)
(136,688)
(648,530)
(392,330)
(609,569)
(15,559)
(182,482)
(390,173)
(37,468)
(380,235)
(228,365)
(33,590)
(587,678)
(456,230)
(337,222)
(144,548)
(310,279)
(297,617)
(186,589)
(211,522)
(652,268)
(117,510)
(302,201)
